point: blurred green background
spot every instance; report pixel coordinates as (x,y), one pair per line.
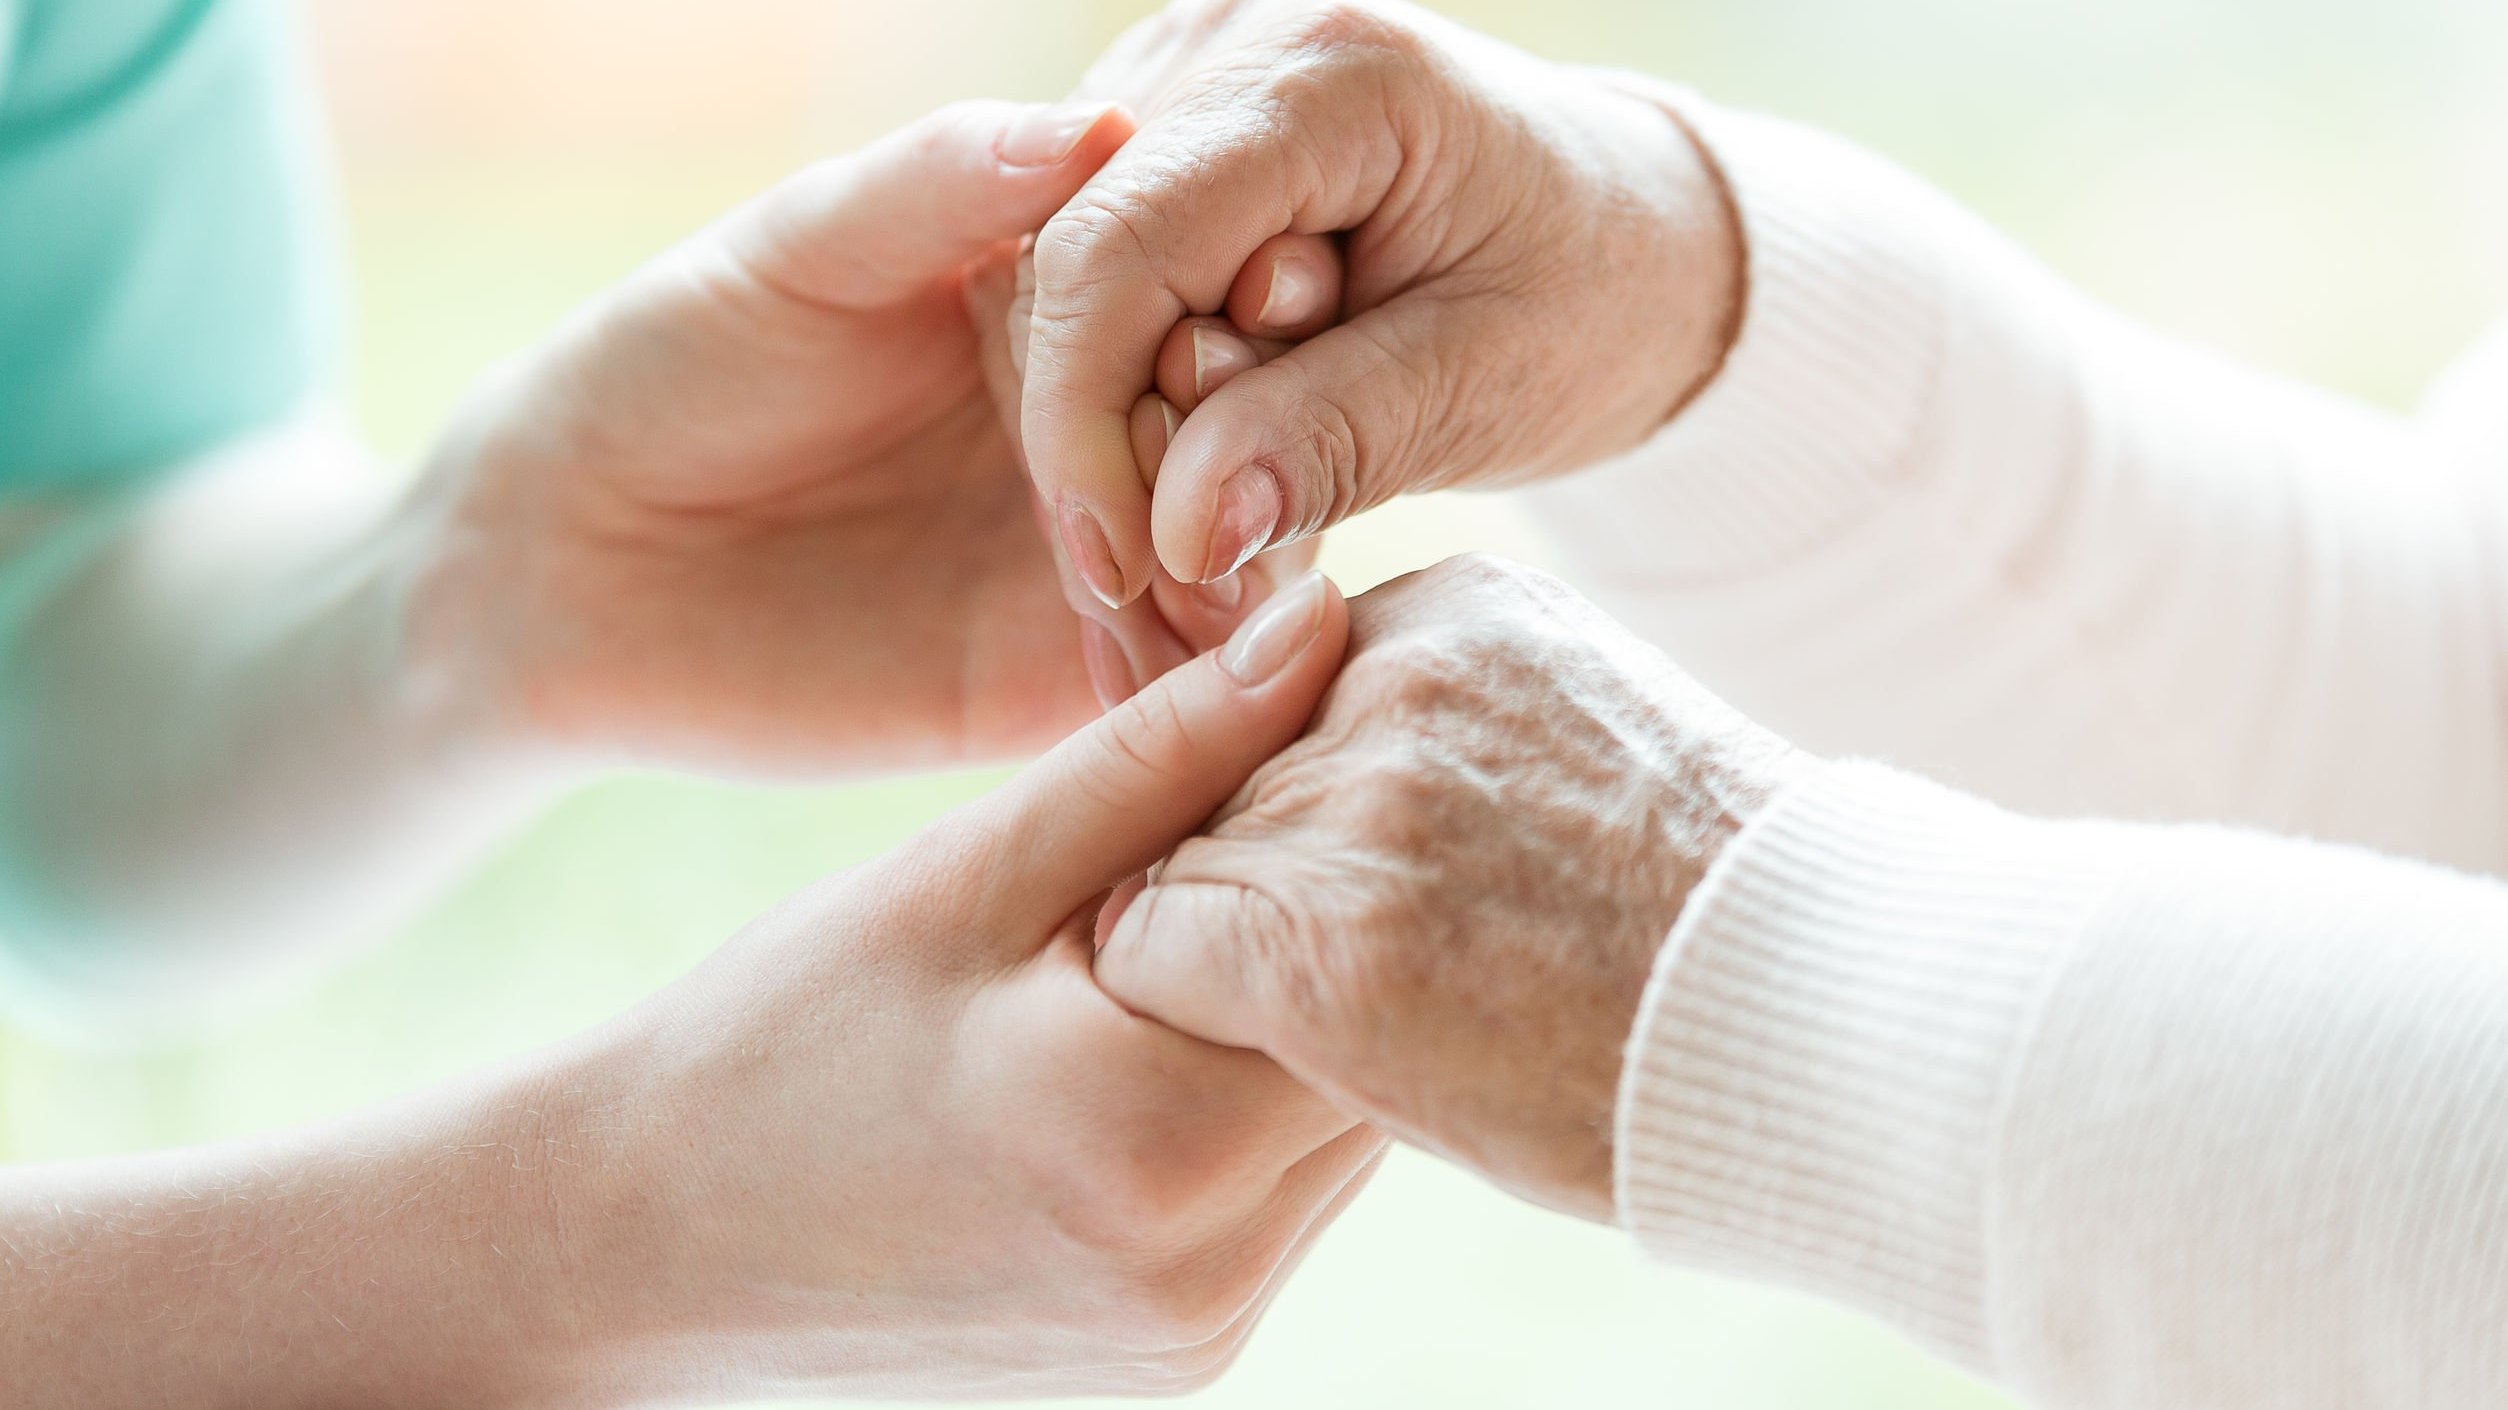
(2308,183)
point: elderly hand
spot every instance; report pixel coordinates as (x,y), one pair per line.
(1289,289)
(1541,268)
(1440,907)
(755,510)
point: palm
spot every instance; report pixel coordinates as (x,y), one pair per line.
(788,536)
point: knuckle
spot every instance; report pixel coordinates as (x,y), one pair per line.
(1286,952)
(1415,670)
(1325,990)
(1472,601)
(1487,572)
(1329,440)
(1377,969)
(1399,807)
(1101,235)
(1351,27)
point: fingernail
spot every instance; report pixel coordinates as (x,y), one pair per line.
(1109,674)
(1095,562)
(1292,297)
(1277,632)
(1249,513)
(1217,356)
(1047,136)
(1151,437)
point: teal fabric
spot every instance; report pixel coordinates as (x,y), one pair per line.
(165,280)
(166,284)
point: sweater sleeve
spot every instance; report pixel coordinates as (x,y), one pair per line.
(2116,1115)
(1939,508)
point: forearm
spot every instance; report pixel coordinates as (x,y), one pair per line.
(223,745)
(433,1251)
(1940,508)
(2116,1115)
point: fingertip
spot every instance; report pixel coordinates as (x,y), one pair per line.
(1089,548)
(1290,288)
(1289,637)
(1119,795)
(1202,354)
(1062,136)
(1110,675)
(1203,614)
(1086,471)
(1155,422)
(1204,531)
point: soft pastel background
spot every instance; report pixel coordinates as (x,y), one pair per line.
(2312,183)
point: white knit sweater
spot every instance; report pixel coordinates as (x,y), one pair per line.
(2126,1113)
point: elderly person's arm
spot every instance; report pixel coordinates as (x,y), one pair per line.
(1940,507)
(891,1141)
(2117,1115)
(1918,498)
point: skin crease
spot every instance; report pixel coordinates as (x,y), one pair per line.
(1541,269)
(1259,325)
(1131,1196)
(891,1140)
(1440,907)
(755,511)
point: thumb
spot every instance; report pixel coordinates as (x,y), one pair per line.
(1120,794)
(1186,952)
(868,227)
(1336,425)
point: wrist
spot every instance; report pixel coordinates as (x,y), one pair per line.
(416,1254)
(1711,795)
(576,1198)
(1697,288)
(465,543)
(1815,1073)
(647,1288)
(1726,771)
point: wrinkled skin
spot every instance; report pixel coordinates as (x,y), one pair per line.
(1541,268)
(893,1138)
(1440,907)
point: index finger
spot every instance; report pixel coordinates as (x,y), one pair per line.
(1162,232)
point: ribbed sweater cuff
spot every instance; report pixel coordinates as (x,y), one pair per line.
(1824,392)
(1815,1081)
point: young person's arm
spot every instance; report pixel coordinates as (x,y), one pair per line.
(891,1141)
(752,511)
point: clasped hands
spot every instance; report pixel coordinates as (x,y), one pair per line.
(819,493)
